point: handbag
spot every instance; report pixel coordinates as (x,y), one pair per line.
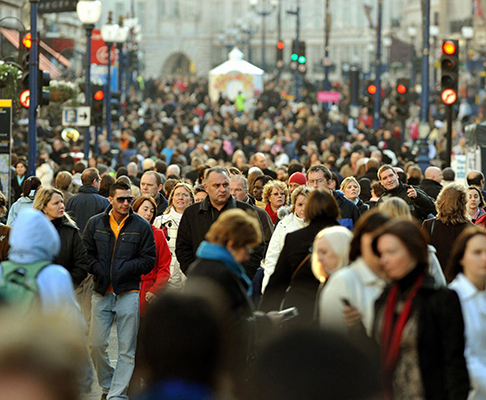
(292,279)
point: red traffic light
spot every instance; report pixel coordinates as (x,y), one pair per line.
(280,45)
(27,41)
(371,89)
(99,95)
(401,89)
(449,48)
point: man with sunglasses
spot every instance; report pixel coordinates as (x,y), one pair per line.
(121,248)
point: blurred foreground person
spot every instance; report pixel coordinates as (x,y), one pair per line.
(467,267)
(418,326)
(39,360)
(313,365)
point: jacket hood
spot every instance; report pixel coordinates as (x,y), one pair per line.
(25,200)
(33,238)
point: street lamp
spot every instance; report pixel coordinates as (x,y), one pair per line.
(467,33)
(109,33)
(434,32)
(120,40)
(264,12)
(89,13)
(412,32)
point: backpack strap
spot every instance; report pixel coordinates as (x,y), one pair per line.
(28,270)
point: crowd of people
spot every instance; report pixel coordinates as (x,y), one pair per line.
(259,251)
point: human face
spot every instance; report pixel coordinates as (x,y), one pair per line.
(317,180)
(20,169)
(474,261)
(474,199)
(55,207)
(293,186)
(351,191)
(277,198)
(148,186)
(181,199)
(326,256)
(300,206)
(217,186)
(395,259)
(389,179)
(121,202)
(200,196)
(258,190)
(261,161)
(238,191)
(241,254)
(146,211)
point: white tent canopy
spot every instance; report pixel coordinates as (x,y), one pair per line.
(234,76)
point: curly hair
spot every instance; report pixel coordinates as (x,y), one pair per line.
(267,190)
(452,205)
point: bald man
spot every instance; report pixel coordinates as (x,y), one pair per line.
(432,182)
(476,178)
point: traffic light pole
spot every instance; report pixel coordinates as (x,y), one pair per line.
(377,105)
(108,95)
(87,135)
(327,33)
(296,47)
(279,32)
(449,135)
(33,68)
(424,109)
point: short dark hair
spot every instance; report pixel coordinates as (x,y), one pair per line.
(89,175)
(30,184)
(295,167)
(161,166)
(217,170)
(448,174)
(79,167)
(384,168)
(321,203)
(63,180)
(118,185)
(320,167)
(368,223)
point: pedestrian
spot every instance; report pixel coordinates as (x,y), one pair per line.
(275,195)
(30,187)
(151,185)
(17,180)
(352,189)
(476,205)
(121,248)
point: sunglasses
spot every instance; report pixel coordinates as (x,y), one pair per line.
(122,200)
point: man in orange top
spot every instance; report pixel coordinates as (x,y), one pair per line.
(121,247)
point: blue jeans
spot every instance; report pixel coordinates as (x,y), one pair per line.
(126,308)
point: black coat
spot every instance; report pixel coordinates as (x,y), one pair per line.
(121,262)
(431,187)
(440,341)
(348,210)
(162,204)
(305,285)
(72,255)
(195,223)
(85,204)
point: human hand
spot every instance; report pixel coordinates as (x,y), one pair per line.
(352,317)
(411,192)
(149,297)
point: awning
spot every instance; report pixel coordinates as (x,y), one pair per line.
(13,37)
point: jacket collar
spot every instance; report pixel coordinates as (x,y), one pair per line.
(365,274)
(206,204)
(464,288)
(110,207)
(88,189)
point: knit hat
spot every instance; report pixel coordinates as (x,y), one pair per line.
(298,177)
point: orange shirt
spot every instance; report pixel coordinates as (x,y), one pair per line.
(116,228)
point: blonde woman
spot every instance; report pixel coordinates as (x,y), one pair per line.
(352,189)
(181,197)
(275,195)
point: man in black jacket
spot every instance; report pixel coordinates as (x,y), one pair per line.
(121,248)
(421,205)
(88,202)
(431,184)
(198,218)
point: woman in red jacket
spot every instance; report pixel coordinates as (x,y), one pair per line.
(155,280)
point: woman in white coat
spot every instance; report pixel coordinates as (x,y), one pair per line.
(467,267)
(357,286)
(290,223)
(181,197)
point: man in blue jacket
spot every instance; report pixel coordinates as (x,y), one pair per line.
(121,247)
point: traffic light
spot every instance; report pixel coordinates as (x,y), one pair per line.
(97,104)
(116,106)
(24,57)
(302,67)
(370,91)
(402,98)
(133,59)
(280,48)
(43,80)
(449,72)
(294,57)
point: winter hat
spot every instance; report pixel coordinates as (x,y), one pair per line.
(298,177)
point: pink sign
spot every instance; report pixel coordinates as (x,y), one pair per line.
(328,97)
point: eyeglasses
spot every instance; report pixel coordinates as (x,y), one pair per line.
(122,200)
(183,195)
(249,250)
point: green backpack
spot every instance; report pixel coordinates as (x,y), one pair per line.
(18,286)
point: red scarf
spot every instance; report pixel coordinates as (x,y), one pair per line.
(391,334)
(273,215)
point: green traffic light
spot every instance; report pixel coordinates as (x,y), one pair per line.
(294,57)
(302,60)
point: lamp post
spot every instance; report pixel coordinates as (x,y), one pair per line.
(327,34)
(33,68)
(467,33)
(434,32)
(109,33)
(89,13)
(264,13)
(412,32)
(377,105)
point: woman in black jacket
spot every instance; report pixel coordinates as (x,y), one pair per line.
(72,255)
(418,326)
(321,211)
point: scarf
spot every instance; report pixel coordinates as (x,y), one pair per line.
(20,180)
(392,331)
(175,216)
(273,215)
(211,251)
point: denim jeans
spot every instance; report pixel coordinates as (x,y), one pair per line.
(126,308)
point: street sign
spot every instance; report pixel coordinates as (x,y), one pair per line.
(79,116)
(449,96)
(56,6)
(25,98)
(328,97)
(5,137)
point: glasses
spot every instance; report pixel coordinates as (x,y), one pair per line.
(183,195)
(249,250)
(122,200)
